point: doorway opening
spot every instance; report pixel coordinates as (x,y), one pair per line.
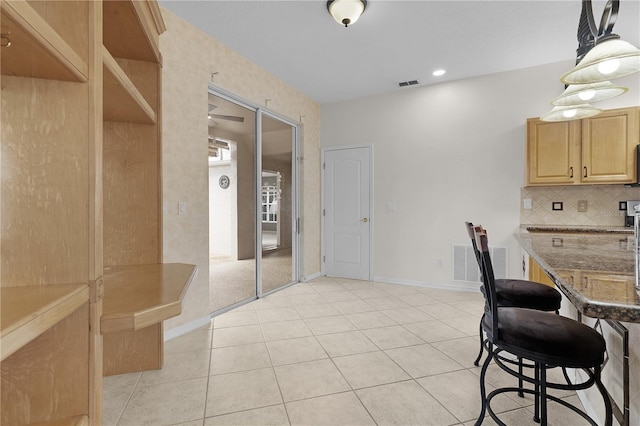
(253,240)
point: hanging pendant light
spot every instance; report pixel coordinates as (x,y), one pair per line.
(609,59)
(602,55)
(577,94)
(346,12)
(566,113)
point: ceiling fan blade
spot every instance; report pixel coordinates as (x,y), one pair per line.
(228,117)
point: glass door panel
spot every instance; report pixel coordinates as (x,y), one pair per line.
(232,206)
(277,201)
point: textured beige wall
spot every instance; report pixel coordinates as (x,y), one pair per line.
(190,57)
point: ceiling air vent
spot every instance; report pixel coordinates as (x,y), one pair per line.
(408,83)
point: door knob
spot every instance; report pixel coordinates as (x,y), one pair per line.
(365,220)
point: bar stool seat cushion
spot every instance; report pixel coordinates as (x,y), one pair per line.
(548,338)
(527,294)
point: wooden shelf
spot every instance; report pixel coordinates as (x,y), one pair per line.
(37,50)
(122,100)
(131,29)
(138,296)
(29,311)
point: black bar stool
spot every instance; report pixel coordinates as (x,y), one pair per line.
(543,338)
(517,293)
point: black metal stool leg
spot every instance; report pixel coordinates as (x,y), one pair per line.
(477,361)
(543,394)
(536,395)
(483,388)
(520,382)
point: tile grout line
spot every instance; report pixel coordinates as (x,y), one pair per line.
(206,393)
(126,404)
(273,370)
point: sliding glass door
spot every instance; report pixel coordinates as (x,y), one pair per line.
(232,189)
(277,203)
(252,202)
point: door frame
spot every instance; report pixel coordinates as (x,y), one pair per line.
(296,160)
(371,204)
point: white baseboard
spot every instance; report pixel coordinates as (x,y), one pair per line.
(470,288)
(311,277)
(186,328)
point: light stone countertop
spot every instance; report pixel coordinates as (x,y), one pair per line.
(595,270)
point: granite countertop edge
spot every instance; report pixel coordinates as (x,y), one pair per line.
(588,307)
(589,229)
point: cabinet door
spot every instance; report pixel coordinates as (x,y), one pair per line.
(608,146)
(552,152)
(608,287)
(537,274)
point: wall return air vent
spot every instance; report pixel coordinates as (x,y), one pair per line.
(465,266)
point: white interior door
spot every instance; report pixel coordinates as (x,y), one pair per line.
(347,220)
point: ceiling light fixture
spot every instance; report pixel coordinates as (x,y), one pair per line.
(438,73)
(577,94)
(346,12)
(602,55)
(573,112)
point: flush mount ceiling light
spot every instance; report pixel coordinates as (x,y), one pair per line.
(577,94)
(438,73)
(602,55)
(575,112)
(346,12)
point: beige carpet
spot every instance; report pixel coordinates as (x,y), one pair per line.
(232,281)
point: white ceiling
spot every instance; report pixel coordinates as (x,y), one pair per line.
(396,40)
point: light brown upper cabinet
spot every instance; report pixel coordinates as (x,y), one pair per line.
(597,150)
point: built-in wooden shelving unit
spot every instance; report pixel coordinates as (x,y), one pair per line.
(133,30)
(122,100)
(80,190)
(29,311)
(37,50)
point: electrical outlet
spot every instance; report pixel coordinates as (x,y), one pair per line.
(526,204)
(440,263)
(582,205)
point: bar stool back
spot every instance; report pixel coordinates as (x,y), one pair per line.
(517,293)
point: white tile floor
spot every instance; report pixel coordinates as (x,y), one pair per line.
(328,352)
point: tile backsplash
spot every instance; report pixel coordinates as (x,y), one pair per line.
(602,205)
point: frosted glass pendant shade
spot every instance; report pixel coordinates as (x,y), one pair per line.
(607,60)
(577,94)
(346,12)
(566,113)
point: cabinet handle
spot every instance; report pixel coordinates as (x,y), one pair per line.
(585,171)
(571,172)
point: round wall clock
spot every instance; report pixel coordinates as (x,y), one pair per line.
(224,181)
